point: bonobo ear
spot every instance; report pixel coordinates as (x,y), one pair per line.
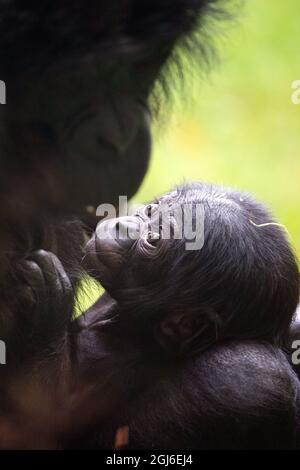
(183,334)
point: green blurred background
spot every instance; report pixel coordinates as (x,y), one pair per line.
(240,128)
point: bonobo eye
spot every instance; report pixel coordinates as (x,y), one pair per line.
(153,238)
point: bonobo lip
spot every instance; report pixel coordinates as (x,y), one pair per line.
(108,246)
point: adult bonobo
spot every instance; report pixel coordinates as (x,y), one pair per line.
(188,334)
(75,131)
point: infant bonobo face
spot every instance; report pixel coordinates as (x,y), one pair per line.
(151,231)
(217,266)
(116,239)
(147,233)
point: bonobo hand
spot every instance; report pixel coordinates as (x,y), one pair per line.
(42,305)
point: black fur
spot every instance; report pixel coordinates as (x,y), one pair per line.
(198,388)
(234,396)
(74,134)
(50,33)
(75,129)
(245,278)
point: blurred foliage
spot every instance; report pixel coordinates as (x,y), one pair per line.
(240,128)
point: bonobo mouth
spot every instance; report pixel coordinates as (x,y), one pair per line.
(106,252)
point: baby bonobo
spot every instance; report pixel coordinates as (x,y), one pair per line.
(198,265)
(184,346)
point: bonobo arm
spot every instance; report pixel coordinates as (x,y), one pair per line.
(35,386)
(234,396)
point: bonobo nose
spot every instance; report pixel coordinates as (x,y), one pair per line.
(122,231)
(106,251)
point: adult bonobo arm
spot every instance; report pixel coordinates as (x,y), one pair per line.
(75,131)
(234,395)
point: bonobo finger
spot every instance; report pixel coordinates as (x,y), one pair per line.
(32,275)
(55,278)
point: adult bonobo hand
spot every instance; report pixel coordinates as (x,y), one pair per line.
(43,302)
(36,379)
